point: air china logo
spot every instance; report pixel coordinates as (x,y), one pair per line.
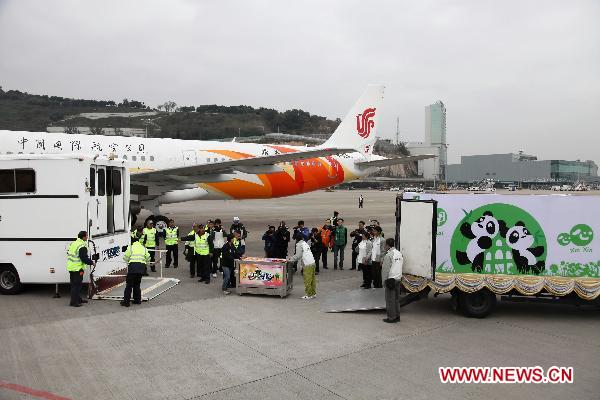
(364,122)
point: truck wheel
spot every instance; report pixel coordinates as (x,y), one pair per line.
(478,304)
(9,280)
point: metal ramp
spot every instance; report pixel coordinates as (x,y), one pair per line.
(354,300)
(151,287)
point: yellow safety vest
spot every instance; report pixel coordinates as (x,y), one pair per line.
(150,237)
(201,246)
(190,243)
(74,263)
(171,236)
(236,243)
(136,253)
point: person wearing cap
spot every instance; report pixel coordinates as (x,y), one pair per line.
(282,239)
(237,226)
(269,238)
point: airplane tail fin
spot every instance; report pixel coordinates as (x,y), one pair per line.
(359,129)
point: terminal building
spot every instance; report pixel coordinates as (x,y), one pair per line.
(435,143)
(519,167)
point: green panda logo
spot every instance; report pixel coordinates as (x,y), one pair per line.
(580,235)
(442,217)
(498,238)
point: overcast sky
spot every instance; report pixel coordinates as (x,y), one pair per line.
(514,75)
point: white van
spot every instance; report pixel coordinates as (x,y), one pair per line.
(45,201)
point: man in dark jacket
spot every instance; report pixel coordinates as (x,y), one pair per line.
(282,240)
(356,236)
(228,256)
(237,226)
(269,239)
(314,240)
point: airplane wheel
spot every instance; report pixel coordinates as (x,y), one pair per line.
(160,222)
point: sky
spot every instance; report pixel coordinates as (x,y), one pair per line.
(514,75)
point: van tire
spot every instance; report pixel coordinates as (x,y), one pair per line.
(9,280)
(478,304)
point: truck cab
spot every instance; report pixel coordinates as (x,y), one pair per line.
(45,200)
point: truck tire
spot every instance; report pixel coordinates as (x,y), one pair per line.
(9,280)
(478,304)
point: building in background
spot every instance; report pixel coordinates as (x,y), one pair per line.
(435,143)
(518,167)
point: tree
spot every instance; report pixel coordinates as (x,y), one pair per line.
(119,131)
(169,106)
(71,130)
(96,130)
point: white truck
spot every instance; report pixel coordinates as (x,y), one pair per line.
(520,247)
(45,200)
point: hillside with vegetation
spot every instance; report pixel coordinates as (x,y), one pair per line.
(24,111)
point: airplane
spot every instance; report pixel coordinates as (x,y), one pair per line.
(165,171)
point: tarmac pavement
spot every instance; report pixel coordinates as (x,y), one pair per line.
(193,342)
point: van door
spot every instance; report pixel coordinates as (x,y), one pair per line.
(99,203)
(189,157)
(119,217)
(416,232)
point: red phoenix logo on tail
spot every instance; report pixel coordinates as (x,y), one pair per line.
(364,122)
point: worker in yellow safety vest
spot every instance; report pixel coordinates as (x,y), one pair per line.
(171,234)
(150,241)
(77,259)
(203,249)
(137,257)
(190,253)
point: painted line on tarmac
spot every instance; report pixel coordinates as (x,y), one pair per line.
(40,394)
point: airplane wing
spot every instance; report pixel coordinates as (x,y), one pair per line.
(392,161)
(197,173)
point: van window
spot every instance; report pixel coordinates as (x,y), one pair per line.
(17,181)
(7,180)
(116,182)
(109,187)
(151,158)
(25,179)
(92,181)
(101,183)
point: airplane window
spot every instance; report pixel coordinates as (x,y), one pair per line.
(208,160)
(133,158)
(124,156)
(216,159)
(151,158)
(9,152)
(222,159)
(143,158)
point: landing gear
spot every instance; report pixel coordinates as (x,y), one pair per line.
(160,222)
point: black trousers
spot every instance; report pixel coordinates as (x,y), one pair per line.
(76,279)
(324,256)
(191,257)
(215,260)
(152,258)
(367,275)
(132,282)
(376,273)
(354,256)
(174,250)
(317,257)
(203,263)
(392,298)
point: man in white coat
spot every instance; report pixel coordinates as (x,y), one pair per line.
(391,270)
(307,263)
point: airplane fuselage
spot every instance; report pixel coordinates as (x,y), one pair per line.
(148,154)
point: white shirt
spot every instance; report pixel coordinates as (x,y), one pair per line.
(397,264)
(376,248)
(303,253)
(362,250)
